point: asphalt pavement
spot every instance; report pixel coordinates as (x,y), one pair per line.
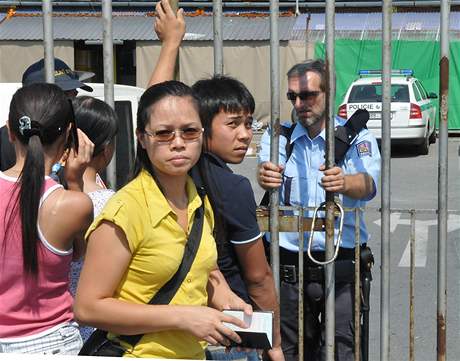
(414,185)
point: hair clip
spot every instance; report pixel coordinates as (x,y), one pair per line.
(25,123)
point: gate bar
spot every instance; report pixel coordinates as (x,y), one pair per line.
(329,271)
(108,78)
(274,139)
(357,301)
(442,183)
(301,299)
(48,40)
(385,199)
(412,287)
(218,37)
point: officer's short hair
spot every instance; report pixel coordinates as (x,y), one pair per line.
(315,65)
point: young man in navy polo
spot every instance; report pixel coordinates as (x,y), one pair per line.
(226,108)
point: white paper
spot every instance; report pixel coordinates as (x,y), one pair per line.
(259,322)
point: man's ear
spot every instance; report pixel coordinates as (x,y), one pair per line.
(11,136)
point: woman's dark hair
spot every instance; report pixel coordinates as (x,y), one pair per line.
(97,120)
(147,103)
(39,115)
(221,93)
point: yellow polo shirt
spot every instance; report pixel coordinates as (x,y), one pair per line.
(157,245)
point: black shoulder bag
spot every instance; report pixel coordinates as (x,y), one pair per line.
(99,345)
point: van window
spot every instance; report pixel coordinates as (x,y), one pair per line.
(125,141)
(367,93)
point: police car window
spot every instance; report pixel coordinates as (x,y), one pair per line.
(370,93)
(418,97)
(125,142)
(421,89)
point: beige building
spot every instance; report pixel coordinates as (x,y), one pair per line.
(136,49)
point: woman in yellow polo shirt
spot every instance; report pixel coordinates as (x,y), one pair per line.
(137,242)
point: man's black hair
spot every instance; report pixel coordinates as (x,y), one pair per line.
(221,93)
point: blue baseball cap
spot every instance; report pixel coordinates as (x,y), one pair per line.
(64,77)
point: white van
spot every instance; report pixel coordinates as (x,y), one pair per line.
(126,101)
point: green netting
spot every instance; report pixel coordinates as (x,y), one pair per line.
(420,56)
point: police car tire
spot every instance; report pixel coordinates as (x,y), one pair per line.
(424,147)
(433,137)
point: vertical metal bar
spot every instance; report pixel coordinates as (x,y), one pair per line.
(301,284)
(174,7)
(329,273)
(411,287)
(307,35)
(218,37)
(108,78)
(357,286)
(274,140)
(442,183)
(385,201)
(48,40)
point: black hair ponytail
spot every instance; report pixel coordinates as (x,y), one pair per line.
(39,115)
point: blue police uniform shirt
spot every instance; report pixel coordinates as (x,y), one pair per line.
(302,179)
(236,203)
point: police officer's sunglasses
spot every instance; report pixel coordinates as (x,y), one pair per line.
(305,95)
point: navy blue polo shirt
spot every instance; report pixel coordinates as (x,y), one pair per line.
(237,206)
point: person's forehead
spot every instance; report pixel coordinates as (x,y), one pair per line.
(309,81)
(240,113)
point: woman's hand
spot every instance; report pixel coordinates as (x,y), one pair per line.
(221,297)
(208,324)
(77,162)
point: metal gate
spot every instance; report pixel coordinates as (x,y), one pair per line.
(274,221)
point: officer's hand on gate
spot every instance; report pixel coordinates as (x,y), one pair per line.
(333,179)
(269,175)
(169,27)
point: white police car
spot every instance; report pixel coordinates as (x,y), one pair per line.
(413,113)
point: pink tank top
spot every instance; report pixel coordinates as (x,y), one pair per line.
(30,306)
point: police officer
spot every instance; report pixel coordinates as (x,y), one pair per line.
(303,180)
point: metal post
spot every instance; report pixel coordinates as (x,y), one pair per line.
(48,40)
(442,183)
(218,37)
(301,285)
(385,200)
(329,272)
(411,287)
(174,7)
(108,78)
(274,141)
(357,287)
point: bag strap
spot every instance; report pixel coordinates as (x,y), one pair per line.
(344,135)
(169,289)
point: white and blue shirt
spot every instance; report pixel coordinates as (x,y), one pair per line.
(302,179)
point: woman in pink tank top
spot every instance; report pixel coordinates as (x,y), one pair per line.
(41,224)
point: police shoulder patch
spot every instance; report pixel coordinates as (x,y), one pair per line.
(364,148)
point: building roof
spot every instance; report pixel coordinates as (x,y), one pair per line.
(405,26)
(140,27)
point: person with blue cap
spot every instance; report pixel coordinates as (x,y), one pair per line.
(65,78)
